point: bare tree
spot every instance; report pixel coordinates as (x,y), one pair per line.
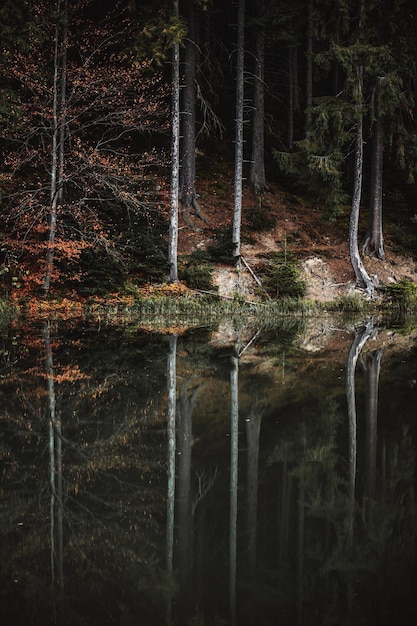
(58,130)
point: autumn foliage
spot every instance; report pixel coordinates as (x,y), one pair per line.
(109,105)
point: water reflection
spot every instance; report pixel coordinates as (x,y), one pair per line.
(208,479)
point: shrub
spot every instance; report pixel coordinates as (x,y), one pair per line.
(403,294)
(281,277)
(197,272)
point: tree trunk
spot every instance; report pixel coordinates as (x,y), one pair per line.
(189,202)
(309,67)
(362,277)
(257,171)
(237,209)
(175,161)
(58,134)
(374,242)
(292,69)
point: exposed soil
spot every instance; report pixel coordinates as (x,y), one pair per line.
(321,247)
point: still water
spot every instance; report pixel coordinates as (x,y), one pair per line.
(208,477)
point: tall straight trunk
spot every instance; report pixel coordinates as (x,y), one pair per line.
(175,161)
(309,66)
(362,277)
(257,170)
(239,137)
(188,191)
(374,241)
(292,88)
(58,133)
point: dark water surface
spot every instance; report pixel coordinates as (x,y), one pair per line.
(212,478)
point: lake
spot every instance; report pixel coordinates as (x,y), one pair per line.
(209,476)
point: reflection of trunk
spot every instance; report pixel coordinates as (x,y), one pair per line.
(185,530)
(171,409)
(361,337)
(253,427)
(234,459)
(300,537)
(55,476)
(372,365)
(284,524)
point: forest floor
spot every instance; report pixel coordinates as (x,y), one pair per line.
(320,246)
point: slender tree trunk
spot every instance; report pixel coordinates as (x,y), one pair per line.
(309,66)
(175,161)
(58,134)
(257,170)
(362,277)
(239,138)
(293,93)
(374,242)
(188,192)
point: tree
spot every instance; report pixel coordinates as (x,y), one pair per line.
(361,274)
(175,159)
(102,186)
(189,201)
(239,137)
(257,169)
(374,241)
(59,106)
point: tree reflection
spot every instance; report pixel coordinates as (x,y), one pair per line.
(55,464)
(171,430)
(234,476)
(361,337)
(371,364)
